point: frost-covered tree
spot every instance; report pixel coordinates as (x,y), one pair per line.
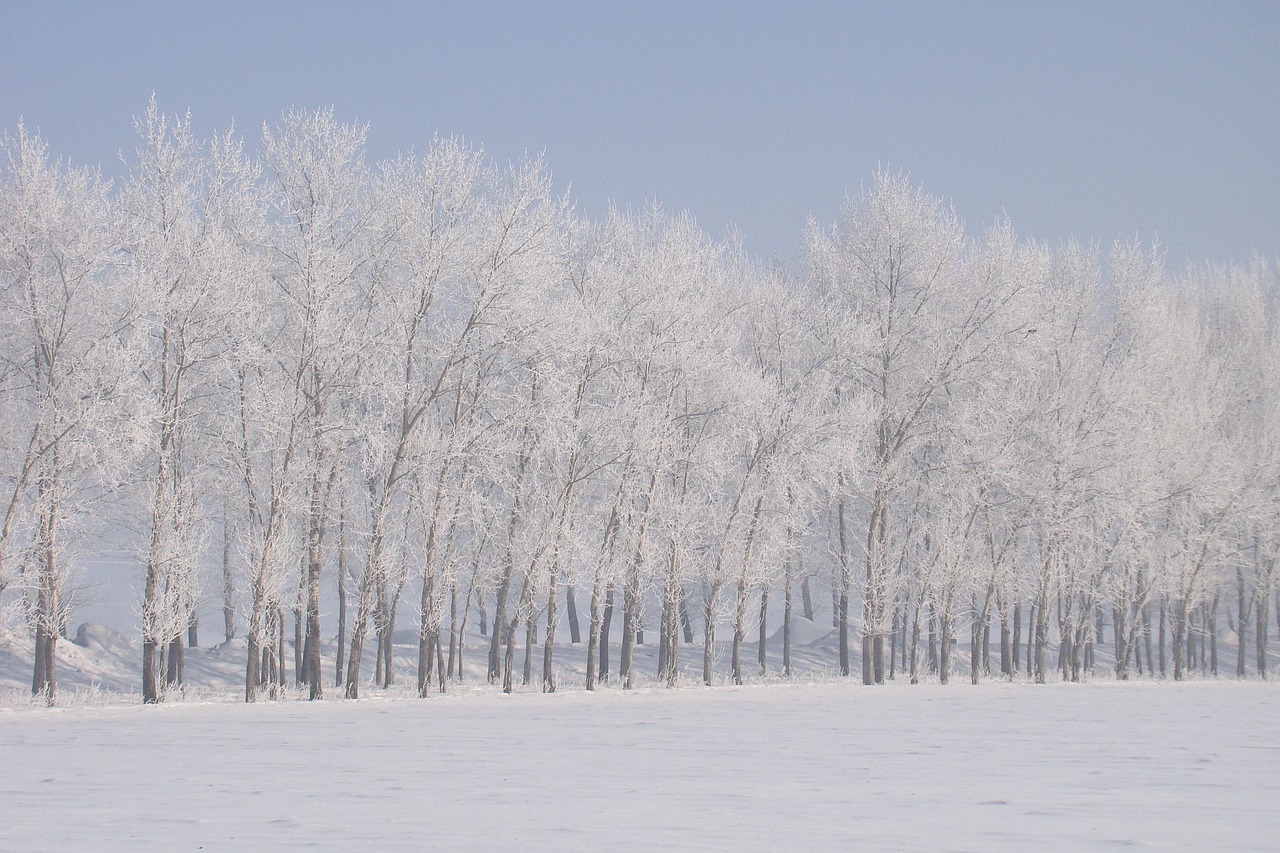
(65,436)
(182,203)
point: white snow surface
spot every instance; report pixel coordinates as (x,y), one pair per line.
(817,766)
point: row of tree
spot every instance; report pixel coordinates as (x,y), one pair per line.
(430,379)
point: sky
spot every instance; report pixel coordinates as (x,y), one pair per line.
(1087,121)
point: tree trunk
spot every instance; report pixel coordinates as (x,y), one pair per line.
(453,628)
(709,631)
(530,640)
(1121,643)
(629,605)
(666,620)
(761,651)
(1212,624)
(806,599)
(571,609)
(686,624)
(1139,634)
(228,586)
(1015,641)
(1006,642)
(509,659)
(1262,631)
(176,667)
(915,645)
(786,621)
(593,632)
(739,617)
(975,649)
(986,643)
(944,643)
(606,625)
(932,620)
(1041,613)
(44,676)
(281,650)
(1147,634)
(1242,626)
(1163,669)
(668,636)
(598,622)
(842,590)
(298,648)
(1031,637)
(310,672)
(342,597)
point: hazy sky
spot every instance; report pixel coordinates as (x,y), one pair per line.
(1083,120)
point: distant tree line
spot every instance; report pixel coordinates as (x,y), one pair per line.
(429,380)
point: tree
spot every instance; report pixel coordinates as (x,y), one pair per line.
(62,370)
(181,205)
(919,328)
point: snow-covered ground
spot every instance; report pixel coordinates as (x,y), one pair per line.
(830,766)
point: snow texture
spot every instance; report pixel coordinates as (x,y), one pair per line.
(807,767)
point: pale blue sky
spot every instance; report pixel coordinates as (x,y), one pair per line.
(1092,120)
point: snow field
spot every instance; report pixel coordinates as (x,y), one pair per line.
(817,767)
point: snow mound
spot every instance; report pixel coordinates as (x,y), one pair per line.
(804,632)
(100,638)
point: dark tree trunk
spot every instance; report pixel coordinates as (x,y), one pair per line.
(1031,637)
(1138,636)
(762,650)
(944,644)
(453,628)
(1121,643)
(986,643)
(1242,628)
(1006,642)
(228,585)
(786,624)
(915,645)
(894,628)
(686,624)
(1188,640)
(1164,669)
(1041,612)
(842,593)
(571,608)
(299,643)
(342,599)
(283,676)
(606,625)
(1147,637)
(1212,625)
(739,617)
(975,649)
(1015,640)
(530,640)
(664,631)
(150,668)
(842,619)
(932,620)
(1261,643)
(176,664)
(593,634)
(709,631)
(509,659)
